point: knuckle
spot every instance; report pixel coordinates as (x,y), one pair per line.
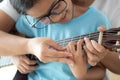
(28,68)
(92,50)
(72,43)
(24,72)
(42,53)
(91,60)
(69,43)
(92,63)
(42,58)
(78,43)
(102,50)
(21,71)
(28,62)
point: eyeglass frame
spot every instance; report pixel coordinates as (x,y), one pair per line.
(48,14)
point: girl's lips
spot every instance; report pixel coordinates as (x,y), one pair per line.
(63,19)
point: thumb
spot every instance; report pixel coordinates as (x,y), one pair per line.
(101,28)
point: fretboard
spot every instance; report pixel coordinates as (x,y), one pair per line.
(91,36)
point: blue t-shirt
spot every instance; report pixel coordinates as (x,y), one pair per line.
(84,24)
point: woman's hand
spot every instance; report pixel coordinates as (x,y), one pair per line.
(95,52)
(48,50)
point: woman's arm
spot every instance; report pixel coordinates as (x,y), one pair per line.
(112,62)
(96,73)
(12,45)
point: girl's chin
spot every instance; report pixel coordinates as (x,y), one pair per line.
(63,21)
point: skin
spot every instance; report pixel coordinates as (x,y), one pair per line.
(5,18)
(80,60)
(22,46)
(42,4)
(69,13)
(23,64)
(111,57)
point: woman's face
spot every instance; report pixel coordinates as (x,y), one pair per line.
(56,10)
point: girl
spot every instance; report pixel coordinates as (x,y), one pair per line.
(60,19)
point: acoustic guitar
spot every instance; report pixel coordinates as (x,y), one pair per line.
(110,40)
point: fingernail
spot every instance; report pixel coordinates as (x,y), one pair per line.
(92,40)
(85,38)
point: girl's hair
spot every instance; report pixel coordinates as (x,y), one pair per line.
(83,3)
(23,5)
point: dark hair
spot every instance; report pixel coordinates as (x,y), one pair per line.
(22,5)
(83,3)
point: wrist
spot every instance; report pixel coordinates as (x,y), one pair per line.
(33,47)
(25,46)
(28,46)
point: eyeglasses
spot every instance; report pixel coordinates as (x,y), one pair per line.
(43,21)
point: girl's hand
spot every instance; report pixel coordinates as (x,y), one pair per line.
(24,64)
(79,68)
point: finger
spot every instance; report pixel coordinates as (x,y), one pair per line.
(92,59)
(72,47)
(22,70)
(101,28)
(79,46)
(55,45)
(102,51)
(28,61)
(68,49)
(98,47)
(58,54)
(85,57)
(27,68)
(90,46)
(64,60)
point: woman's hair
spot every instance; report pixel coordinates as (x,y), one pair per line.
(23,5)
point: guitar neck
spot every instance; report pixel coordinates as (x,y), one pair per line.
(109,39)
(91,36)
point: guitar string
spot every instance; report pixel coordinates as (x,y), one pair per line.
(63,42)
